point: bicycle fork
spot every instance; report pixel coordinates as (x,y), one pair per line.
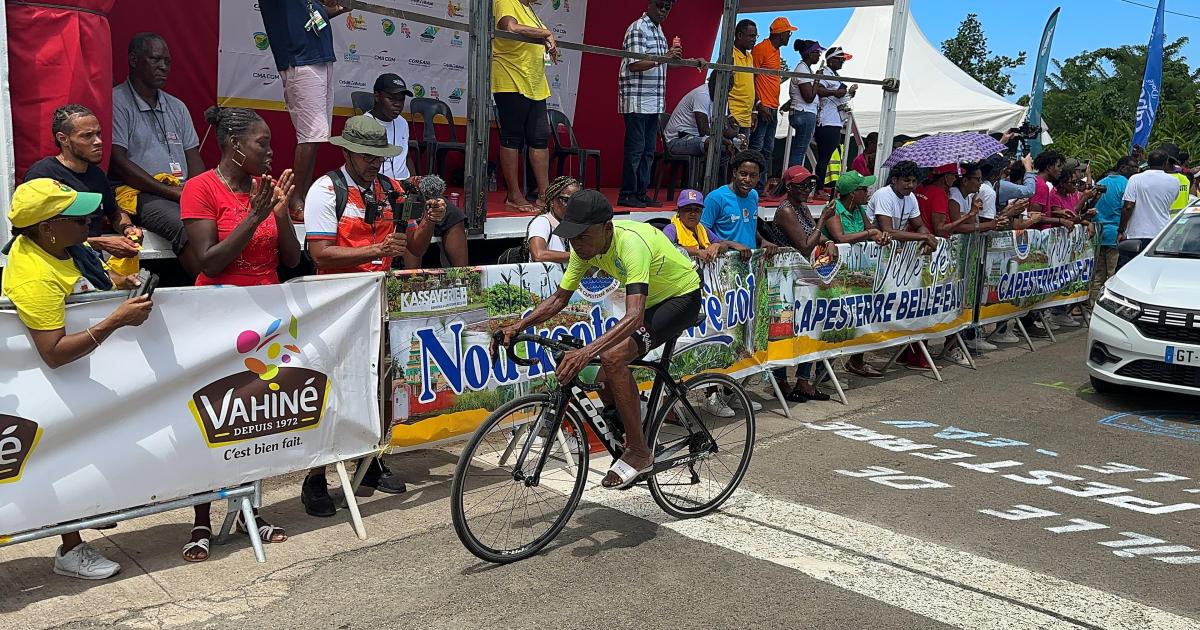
(545,427)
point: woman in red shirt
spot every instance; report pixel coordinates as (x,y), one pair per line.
(237,221)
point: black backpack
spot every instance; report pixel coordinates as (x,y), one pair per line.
(341,192)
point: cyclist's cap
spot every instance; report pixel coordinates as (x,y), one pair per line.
(585,209)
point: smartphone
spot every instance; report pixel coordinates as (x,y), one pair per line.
(149,284)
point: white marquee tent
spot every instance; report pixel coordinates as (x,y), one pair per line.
(935,95)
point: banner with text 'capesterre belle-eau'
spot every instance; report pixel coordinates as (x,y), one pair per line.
(221,386)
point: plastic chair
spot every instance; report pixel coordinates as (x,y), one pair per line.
(435,151)
(561,152)
(692,164)
(363,102)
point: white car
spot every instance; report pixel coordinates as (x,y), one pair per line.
(1145,329)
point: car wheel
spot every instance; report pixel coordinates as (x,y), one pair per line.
(1102,386)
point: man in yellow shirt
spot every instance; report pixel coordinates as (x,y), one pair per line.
(741,97)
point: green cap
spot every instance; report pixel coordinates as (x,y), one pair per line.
(850,181)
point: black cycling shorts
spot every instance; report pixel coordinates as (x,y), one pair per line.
(667,320)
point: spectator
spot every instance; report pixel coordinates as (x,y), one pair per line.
(833,98)
(766,55)
(849,223)
(1069,201)
(994,170)
(358,236)
(741,95)
(688,129)
(896,212)
(804,101)
(76,133)
(642,95)
(302,44)
(731,211)
(1147,201)
(46,263)
(933,198)
(520,89)
(865,162)
(154,146)
(686,231)
(1019,182)
(1049,165)
(543,244)
(390,92)
(237,218)
(1108,219)
(1185,185)
(971,207)
(794,226)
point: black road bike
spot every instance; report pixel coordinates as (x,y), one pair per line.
(522,474)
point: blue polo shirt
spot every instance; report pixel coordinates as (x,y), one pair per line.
(291,44)
(1108,207)
(729,217)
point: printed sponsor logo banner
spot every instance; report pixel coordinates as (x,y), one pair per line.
(866,298)
(431,59)
(1025,270)
(221,386)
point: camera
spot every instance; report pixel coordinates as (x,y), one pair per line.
(1028,131)
(1102,188)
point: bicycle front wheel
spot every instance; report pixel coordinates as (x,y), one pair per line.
(713,450)
(498,514)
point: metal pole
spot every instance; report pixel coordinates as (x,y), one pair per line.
(479,71)
(712,168)
(887,111)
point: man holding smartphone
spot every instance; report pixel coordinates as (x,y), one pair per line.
(350,217)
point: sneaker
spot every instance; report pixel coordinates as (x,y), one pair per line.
(1008,336)
(980,345)
(650,203)
(630,202)
(717,406)
(1048,322)
(955,355)
(1064,320)
(380,477)
(84,562)
(736,404)
(314,494)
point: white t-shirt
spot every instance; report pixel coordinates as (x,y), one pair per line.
(1152,194)
(683,119)
(828,115)
(964,204)
(543,225)
(885,202)
(798,102)
(988,195)
(397,134)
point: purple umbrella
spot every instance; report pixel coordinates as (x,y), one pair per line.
(947,148)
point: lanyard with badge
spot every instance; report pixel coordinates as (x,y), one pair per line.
(168,137)
(316,22)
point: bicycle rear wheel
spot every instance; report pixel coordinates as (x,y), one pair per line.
(500,518)
(716,450)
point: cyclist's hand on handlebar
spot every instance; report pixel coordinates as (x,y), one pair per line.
(503,337)
(571,365)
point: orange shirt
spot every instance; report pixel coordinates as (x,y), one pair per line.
(766,55)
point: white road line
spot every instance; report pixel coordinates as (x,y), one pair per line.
(947,585)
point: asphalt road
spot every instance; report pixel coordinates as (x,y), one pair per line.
(1012,497)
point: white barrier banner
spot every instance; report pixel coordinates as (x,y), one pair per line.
(221,386)
(432,60)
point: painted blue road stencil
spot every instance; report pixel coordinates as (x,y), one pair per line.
(1172,424)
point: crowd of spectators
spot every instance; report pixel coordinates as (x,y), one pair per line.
(75,227)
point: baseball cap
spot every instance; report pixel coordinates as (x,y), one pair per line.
(585,209)
(796,174)
(838,51)
(40,199)
(689,197)
(851,181)
(391,83)
(782,25)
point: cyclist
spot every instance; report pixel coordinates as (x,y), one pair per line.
(662,299)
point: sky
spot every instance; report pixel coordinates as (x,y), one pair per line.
(1015,25)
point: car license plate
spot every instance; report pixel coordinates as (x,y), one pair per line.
(1182,356)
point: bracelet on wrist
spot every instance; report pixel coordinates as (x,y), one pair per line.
(94,340)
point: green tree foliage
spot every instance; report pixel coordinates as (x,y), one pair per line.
(1091,98)
(968,49)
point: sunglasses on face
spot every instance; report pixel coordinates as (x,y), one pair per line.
(75,220)
(802,185)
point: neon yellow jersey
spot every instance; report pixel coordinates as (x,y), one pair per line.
(639,254)
(1181,201)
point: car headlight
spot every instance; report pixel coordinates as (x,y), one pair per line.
(1120,306)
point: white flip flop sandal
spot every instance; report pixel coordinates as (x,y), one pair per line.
(203,543)
(626,473)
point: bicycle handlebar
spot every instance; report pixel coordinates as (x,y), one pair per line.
(559,346)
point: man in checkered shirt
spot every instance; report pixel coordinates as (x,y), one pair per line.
(641,90)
